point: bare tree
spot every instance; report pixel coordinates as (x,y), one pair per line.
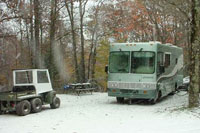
(52,38)
(82,7)
(70,9)
(195,55)
(31,32)
(94,40)
(37,50)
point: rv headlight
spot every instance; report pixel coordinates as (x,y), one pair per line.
(112,85)
(149,86)
(146,85)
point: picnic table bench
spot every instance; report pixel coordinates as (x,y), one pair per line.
(82,87)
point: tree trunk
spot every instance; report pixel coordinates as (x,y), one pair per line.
(41,35)
(32,52)
(37,51)
(70,10)
(195,55)
(20,54)
(92,55)
(82,62)
(51,64)
(93,61)
(93,51)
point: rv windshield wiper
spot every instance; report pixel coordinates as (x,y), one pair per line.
(123,52)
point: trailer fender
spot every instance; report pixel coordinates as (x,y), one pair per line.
(49,97)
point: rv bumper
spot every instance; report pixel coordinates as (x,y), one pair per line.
(134,94)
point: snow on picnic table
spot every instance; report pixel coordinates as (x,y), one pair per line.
(98,113)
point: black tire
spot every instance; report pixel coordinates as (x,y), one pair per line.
(23,108)
(120,99)
(156,99)
(36,105)
(1,112)
(55,103)
(176,87)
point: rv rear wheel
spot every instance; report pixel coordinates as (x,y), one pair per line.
(120,99)
(55,103)
(1,112)
(175,89)
(36,105)
(23,108)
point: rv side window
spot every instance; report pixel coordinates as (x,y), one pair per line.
(167,60)
(160,59)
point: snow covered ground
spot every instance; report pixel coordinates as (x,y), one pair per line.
(98,113)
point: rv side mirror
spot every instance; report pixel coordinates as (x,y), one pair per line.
(162,69)
(106,68)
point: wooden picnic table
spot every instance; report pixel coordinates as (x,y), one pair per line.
(82,87)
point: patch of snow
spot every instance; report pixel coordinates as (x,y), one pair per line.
(98,113)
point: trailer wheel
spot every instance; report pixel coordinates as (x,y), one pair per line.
(23,108)
(36,105)
(55,103)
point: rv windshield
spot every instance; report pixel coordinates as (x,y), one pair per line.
(119,62)
(143,62)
